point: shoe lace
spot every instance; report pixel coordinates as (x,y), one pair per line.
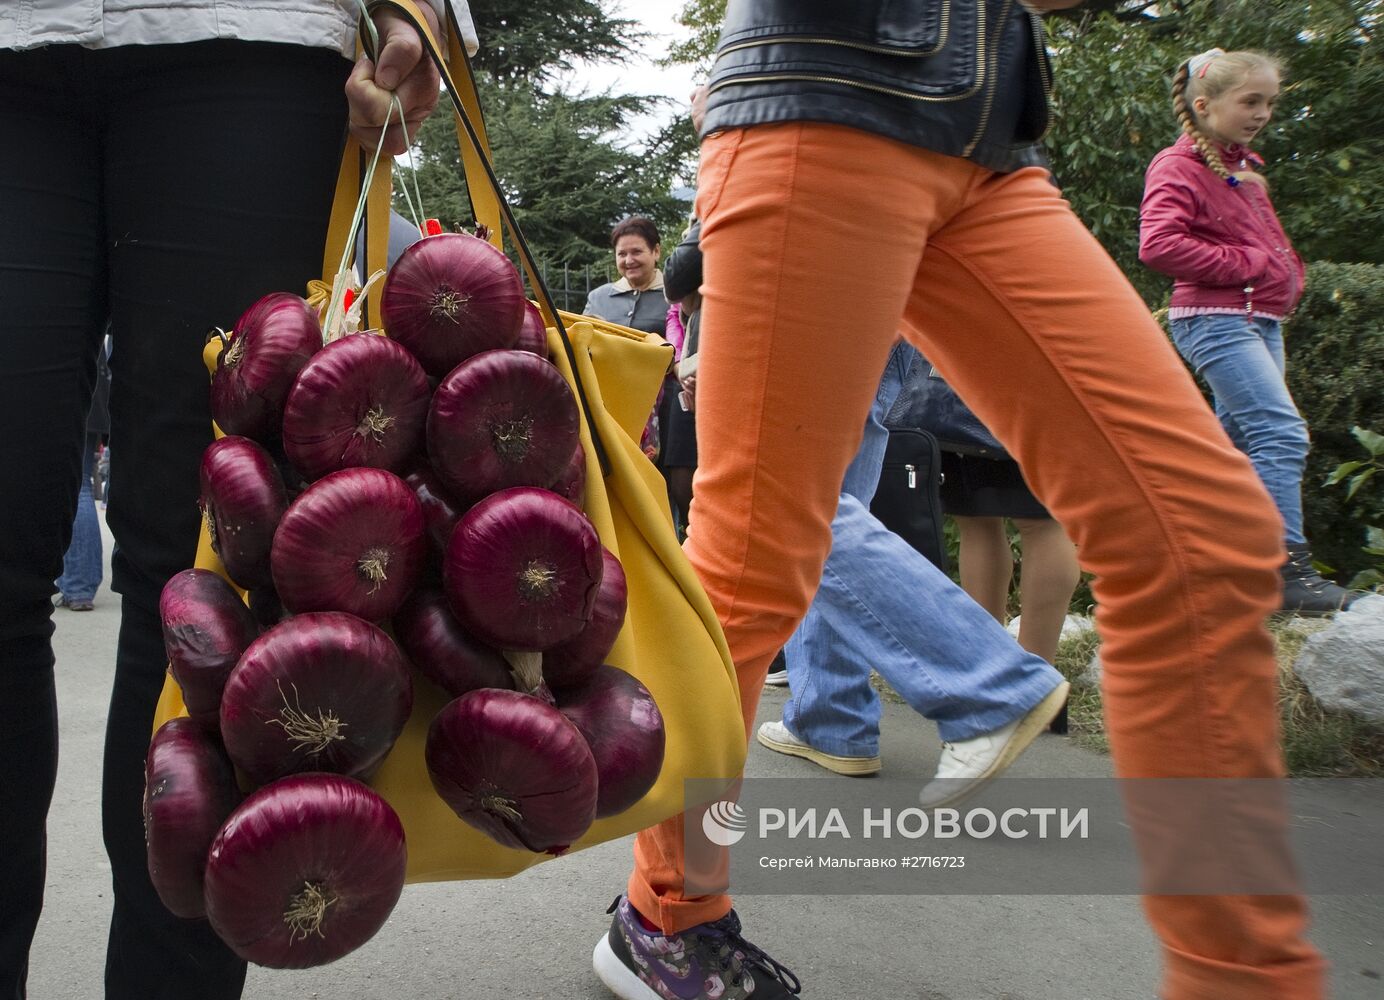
(731,942)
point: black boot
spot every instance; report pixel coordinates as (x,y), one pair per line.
(1307,592)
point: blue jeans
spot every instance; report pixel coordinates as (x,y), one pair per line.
(81,566)
(882,605)
(1241,359)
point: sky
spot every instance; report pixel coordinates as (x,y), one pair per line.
(641,75)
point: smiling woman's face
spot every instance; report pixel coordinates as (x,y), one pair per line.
(636,260)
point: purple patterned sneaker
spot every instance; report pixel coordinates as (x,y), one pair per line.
(706,962)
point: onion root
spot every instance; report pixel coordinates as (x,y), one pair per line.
(306,911)
(305,732)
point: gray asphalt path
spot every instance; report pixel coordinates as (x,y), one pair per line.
(530,937)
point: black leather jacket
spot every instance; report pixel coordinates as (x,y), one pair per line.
(961,77)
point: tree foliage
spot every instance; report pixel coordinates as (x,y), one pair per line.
(567,161)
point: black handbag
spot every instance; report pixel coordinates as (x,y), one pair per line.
(927,403)
(908,500)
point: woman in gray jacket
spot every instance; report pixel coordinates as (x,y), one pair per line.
(163,165)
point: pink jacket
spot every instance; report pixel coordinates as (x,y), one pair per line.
(1217,241)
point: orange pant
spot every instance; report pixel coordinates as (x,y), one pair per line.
(823,242)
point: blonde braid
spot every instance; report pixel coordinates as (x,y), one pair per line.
(1208,149)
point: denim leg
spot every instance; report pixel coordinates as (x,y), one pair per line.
(1242,361)
(882,605)
(81,566)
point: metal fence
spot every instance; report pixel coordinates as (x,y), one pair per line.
(571,284)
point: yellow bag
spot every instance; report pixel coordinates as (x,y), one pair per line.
(671,640)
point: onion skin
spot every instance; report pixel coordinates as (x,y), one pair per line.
(572,663)
(571,483)
(352,542)
(451,296)
(621,723)
(310,668)
(206,627)
(308,837)
(443,650)
(360,401)
(189,790)
(243,499)
(523,569)
(501,419)
(440,512)
(271,342)
(533,335)
(515,768)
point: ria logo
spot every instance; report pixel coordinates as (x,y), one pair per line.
(724,823)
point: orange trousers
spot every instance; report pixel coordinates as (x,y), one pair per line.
(822,243)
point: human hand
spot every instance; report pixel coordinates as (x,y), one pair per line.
(689,388)
(698,99)
(402,69)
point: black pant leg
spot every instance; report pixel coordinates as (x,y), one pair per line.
(221,162)
(52,307)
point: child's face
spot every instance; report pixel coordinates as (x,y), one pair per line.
(1239,114)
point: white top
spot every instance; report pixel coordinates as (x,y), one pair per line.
(99,24)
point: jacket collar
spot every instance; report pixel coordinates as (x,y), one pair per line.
(623,285)
(1231,155)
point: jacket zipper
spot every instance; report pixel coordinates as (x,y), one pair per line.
(943,25)
(860,85)
(1040,42)
(990,89)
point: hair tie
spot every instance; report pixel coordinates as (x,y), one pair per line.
(1198,63)
(1233,181)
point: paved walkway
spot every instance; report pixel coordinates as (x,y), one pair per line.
(530,938)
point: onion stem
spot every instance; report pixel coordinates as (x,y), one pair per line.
(235,352)
(372,566)
(306,912)
(527,668)
(511,438)
(374,423)
(209,519)
(305,732)
(449,303)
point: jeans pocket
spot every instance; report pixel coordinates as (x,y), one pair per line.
(718,153)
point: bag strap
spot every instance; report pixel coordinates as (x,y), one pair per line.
(488,201)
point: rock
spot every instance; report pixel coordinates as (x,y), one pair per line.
(1343,664)
(1071,625)
(1093,671)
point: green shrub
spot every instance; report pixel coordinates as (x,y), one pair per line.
(1335,347)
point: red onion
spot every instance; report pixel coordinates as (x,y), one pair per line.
(206,626)
(515,768)
(443,650)
(242,501)
(324,691)
(361,401)
(440,511)
(522,569)
(189,790)
(306,870)
(451,296)
(271,342)
(622,725)
(533,334)
(352,542)
(571,482)
(501,419)
(573,662)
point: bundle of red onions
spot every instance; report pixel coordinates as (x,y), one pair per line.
(481,561)
(306,870)
(271,342)
(452,296)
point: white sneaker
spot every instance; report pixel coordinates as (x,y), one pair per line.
(777,678)
(775,736)
(968,764)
